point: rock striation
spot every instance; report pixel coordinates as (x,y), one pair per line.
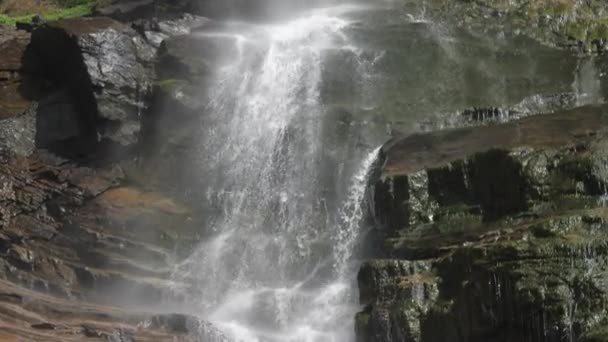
(493,233)
(86,248)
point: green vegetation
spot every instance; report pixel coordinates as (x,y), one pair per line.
(51,11)
(170,85)
(565,23)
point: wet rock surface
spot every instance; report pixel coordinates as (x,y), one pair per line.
(576,25)
(92,79)
(119,80)
(494,233)
(104,65)
(87,246)
(71,235)
(31,316)
(12,44)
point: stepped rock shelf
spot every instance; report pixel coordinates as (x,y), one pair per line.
(494,233)
(86,251)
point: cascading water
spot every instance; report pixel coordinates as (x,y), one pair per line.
(295,110)
(278,265)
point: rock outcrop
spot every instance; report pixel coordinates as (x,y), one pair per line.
(577,25)
(17,120)
(12,44)
(106,67)
(87,81)
(27,315)
(71,234)
(86,249)
(494,233)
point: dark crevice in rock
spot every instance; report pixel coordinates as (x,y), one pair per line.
(54,56)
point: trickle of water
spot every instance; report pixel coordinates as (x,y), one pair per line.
(351,215)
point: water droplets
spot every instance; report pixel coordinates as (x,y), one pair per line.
(351,214)
(275,267)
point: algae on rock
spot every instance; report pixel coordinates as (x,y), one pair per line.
(506,243)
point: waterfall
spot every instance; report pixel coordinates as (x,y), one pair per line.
(286,209)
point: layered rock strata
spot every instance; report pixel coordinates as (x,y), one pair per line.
(494,233)
(87,250)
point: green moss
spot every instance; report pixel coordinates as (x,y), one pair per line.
(562,23)
(170,85)
(598,335)
(588,26)
(576,30)
(362,319)
(598,31)
(362,324)
(79,10)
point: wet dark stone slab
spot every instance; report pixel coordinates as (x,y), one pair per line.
(428,150)
(493,233)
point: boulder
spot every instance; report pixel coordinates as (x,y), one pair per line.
(101,73)
(105,65)
(494,233)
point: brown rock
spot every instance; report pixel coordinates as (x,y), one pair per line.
(37,317)
(73,232)
(132,200)
(420,151)
(12,103)
(13,44)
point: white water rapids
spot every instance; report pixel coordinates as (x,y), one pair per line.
(279,265)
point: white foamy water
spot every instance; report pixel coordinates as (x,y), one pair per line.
(278,266)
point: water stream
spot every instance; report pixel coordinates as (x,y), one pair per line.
(279,266)
(297,107)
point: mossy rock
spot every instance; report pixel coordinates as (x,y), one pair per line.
(171,85)
(596,335)
(560,23)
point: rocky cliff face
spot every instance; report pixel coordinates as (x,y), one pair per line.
(86,248)
(571,24)
(493,233)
